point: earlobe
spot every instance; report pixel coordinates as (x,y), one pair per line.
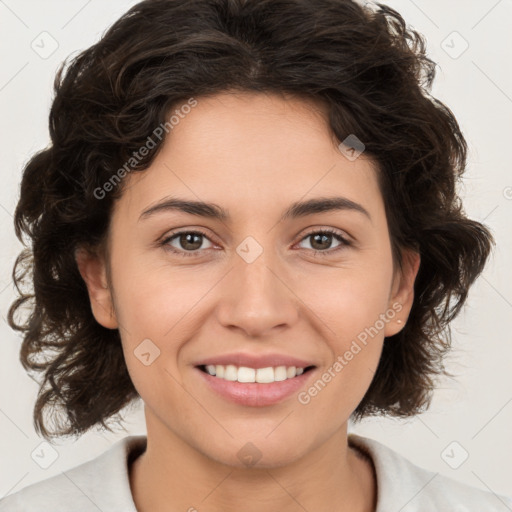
(403,292)
(92,268)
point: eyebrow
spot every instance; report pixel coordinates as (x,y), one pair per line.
(296,210)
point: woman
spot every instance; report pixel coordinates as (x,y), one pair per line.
(248,219)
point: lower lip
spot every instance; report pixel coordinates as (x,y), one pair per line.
(255,394)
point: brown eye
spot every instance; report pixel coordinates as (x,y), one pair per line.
(186,243)
(321,241)
(190,241)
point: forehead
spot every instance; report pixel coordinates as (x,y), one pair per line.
(252,151)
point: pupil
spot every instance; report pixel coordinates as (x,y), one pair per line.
(185,241)
(323,238)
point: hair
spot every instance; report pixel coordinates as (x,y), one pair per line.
(366,65)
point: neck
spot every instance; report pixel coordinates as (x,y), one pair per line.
(170,475)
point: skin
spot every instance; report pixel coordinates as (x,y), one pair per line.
(253,154)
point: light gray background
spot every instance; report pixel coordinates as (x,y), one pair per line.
(475,411)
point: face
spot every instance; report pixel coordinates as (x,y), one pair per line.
(262,288)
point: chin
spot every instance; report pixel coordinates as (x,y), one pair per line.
(257,452)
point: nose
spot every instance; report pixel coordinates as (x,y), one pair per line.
(258,298)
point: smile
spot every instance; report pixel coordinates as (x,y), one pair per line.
(245,374)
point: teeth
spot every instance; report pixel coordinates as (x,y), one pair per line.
(246,374)
(231,372)
(265,375)
(262,375)
(280,373)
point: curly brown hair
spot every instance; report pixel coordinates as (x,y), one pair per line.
(367,65)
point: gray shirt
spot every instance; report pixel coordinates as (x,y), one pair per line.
(102,484)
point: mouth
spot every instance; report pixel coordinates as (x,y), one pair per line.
(248,375)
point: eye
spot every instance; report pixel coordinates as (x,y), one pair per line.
(322,240)
(186,243)
(190,243)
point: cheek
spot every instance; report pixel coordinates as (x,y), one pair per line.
(353,308)
(160,310)
(348,301)
(353,330)
(151,298)
(148,311)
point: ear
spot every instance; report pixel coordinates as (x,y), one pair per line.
(92,268)
(402,292)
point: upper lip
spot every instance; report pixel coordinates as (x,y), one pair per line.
(255,361)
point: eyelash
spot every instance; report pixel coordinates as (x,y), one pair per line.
(328,231)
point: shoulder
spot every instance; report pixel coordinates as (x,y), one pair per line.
(402,485)
(98,484)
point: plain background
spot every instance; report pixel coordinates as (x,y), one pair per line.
(470,416)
